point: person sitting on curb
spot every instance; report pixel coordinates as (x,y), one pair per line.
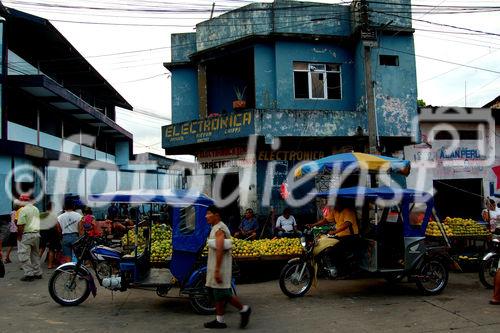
(286,226)
(248,226)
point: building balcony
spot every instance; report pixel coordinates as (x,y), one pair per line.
(38,140)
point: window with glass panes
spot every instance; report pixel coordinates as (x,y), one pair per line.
(316,80)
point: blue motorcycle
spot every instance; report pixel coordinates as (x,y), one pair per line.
(72,283)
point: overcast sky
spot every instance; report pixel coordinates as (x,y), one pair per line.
(145,83)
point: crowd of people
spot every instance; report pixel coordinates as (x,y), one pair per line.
(44,235)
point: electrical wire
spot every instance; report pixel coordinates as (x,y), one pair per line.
(441,60)
(439,24)
(145,78)
(455,68)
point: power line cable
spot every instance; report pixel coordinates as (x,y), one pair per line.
(439,24)
(455,68)
(441,60)
(145,78)
(146,113)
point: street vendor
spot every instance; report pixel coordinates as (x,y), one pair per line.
(248,227)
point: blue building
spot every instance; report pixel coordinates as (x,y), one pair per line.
(57,120)
(301,70)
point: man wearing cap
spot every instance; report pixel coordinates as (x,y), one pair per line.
(28,236)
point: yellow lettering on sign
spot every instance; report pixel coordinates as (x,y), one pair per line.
(215,124)
(169,132)
(185,129)
(223,122)
(262,155)
(247,118)
(206,126)
(175,133)
(237,121)
(191,128)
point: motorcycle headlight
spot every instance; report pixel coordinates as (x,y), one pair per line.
(495,242)
(303,241)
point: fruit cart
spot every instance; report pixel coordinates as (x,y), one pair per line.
(469,239)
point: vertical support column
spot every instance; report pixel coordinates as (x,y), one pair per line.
(202,90)
(38,127)
(3,76)
(368,38)
(370,102)
(81,142)
(62,135)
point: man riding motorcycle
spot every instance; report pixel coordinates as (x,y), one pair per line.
(343,218)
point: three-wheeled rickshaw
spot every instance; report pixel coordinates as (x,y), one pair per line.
(72,283)
(391,243)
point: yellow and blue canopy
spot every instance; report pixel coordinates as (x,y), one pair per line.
(360,161)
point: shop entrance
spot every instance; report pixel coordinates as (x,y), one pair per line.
(458,197)
(231,213)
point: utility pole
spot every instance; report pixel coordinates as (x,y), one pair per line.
(369,40)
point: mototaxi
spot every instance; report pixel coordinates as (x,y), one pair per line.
(391,242)
(72,283)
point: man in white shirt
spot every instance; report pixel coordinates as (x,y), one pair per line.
(491,214)
(68,224)
(286,226)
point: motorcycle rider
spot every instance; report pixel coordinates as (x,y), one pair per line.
(343,216)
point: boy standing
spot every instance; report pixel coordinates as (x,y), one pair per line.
(219,270)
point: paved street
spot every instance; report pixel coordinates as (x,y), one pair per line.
(335,306)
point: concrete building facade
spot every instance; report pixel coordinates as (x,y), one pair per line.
(301,70)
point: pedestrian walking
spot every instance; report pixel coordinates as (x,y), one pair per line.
(28,237)
(219,272)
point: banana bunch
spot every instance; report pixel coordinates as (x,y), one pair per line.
(433,230)
(266,247)
(129,238)
(161,251)
(465,227)
(160,233)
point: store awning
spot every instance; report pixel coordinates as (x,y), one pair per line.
(43,87)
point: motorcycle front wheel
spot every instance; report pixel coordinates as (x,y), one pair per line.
(487,271)
(432,277)
(296,278)
(201,301)
(67,288)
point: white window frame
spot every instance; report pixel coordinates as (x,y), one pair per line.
(325,79)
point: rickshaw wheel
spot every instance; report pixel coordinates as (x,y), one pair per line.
(432,277)
(68,288)
(201,302)
(487,271)
(291,284)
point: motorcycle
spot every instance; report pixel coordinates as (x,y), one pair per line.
(490,263)
(393,247)
(72,283)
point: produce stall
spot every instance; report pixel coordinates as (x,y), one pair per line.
(243,250)
(469,239)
